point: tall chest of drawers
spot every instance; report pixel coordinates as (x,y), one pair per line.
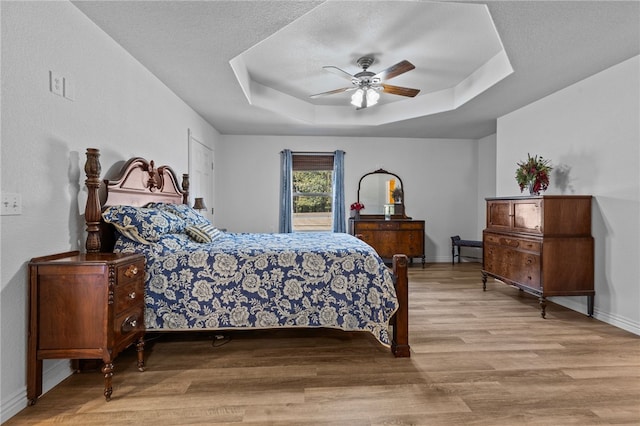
(84,306)
(542,245)
(391,237)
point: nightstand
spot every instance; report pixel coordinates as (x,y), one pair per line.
(84,306)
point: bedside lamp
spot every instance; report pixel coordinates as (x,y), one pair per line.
(198,204)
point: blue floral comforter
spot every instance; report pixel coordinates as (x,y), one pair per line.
(242,281)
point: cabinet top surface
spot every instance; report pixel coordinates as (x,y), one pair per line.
(385,220)
(538,197)
(98,258)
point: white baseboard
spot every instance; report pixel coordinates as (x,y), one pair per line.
(615,320)
(54,373)
(13,404)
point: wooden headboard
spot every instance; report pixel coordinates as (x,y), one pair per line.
(138,183)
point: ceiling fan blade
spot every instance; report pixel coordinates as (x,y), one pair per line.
(332,92)
(338,71)
(397,90)
(395,70)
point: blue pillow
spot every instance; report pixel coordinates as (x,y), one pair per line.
(142,224)
(190,216)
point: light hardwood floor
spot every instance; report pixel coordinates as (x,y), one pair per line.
(482,358)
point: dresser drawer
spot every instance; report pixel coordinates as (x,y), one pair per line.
(513,242)
(391,237)
(388,226)
(411,226)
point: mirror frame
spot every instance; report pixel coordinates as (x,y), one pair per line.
(403,215)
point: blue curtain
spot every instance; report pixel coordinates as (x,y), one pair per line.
(338,192)
(286,192)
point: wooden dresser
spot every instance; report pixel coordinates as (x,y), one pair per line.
(542,245)
(84,306)
(389,237)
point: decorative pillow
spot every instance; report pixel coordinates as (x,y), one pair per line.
(191,216)
(142,224)
(203,233)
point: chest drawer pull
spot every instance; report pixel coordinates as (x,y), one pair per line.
(511,243)
(132,295)
(131,271)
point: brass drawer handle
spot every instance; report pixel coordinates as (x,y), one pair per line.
(131,271)
(132,295)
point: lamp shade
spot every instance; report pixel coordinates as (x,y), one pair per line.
(366,97)
(198,204)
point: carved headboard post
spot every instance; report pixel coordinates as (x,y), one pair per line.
(92,169)
(185,188)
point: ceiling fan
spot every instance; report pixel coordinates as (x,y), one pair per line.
(367,84)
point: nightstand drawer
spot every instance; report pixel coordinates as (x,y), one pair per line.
(128,295)
(130,272)
(128,322)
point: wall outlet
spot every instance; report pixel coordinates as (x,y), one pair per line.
(56,83)
(11,204)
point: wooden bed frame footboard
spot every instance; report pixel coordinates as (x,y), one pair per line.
(140,183)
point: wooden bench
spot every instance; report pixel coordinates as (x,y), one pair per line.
(459,243)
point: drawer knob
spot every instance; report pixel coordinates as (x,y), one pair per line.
(131,271)
(132,295)
(129,324)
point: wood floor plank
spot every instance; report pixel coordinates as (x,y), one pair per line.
(478,358)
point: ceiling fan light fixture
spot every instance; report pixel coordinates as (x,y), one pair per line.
(368,85)
(357,98)
(366,97)
(372,97)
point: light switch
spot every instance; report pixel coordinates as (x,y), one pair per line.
(11,204)
(69,89)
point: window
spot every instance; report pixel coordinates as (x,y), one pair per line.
(312,192)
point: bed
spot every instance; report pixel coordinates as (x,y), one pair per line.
(199,278)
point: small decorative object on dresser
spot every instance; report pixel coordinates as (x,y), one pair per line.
(84,306)
(533,174)
(355,209)
(542,245)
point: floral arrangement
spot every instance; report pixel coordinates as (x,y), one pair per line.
(357,206)
(533,174)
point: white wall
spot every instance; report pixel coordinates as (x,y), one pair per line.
(120,108)
(439,176)
(591,130)
(486,178)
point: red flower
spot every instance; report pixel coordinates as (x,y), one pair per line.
(357,206)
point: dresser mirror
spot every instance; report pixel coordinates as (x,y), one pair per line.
(376,191)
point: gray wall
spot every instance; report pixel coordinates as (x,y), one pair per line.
(119,107)
(591,131)
(440,179)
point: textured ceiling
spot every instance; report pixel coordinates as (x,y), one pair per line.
(451,66)
(189,46)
